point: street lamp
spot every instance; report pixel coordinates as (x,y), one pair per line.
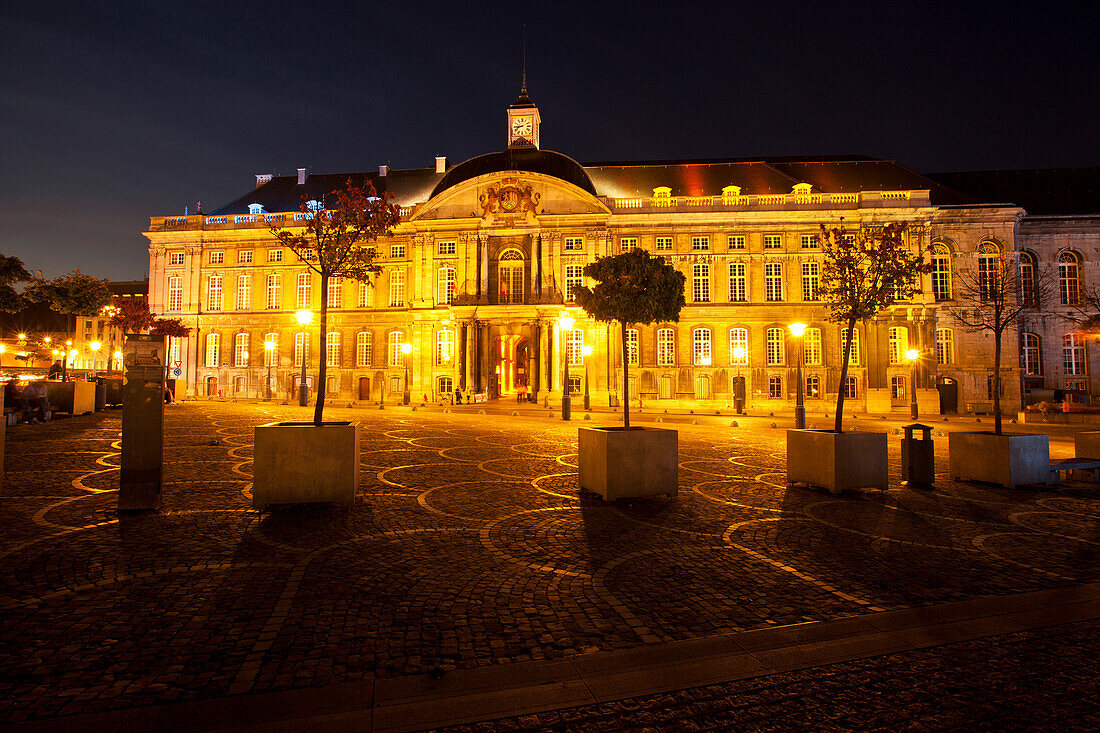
(269,348)
(586,351)
(95,347)
(797,329)
(305,317)
(405,349)
(565,324)
(739,400)
(913,355)
(118,360)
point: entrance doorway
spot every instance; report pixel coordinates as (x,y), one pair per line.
(512,365)
(664,388)
(364,388)
(949,395)
(211,386)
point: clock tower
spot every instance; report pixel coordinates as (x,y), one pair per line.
(523,121)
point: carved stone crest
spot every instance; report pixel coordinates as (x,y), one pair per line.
(514,198)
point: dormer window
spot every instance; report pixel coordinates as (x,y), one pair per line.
(662,196)
(802,189)
(730,194)
(255,209)
(315,205)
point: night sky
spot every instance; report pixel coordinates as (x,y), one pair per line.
(112,112)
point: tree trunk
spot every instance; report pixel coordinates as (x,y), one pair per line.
(322,355)
(997,383)
(626,382)
(838,423)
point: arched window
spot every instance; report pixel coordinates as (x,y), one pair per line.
(1069,279)
(364,348)
(989,271)
(941,272)
(811,346)
(510,274)
(1028,280)
(394,342)
(739,346)
(240,350)
(446,294)
(1030,354)
(332,348)
(213,344)
(701,351)
(336,292)
(666,347)
(774,346)
(632,346)
(444,347)
(945,346)
(175,293)
(274,292)
(1073,355)
(271,356)
(853,359)
(215,300)
(899,344)
(244,292)
(305,291)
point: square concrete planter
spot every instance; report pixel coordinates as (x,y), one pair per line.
(1007,460)
(617,463)
(1087,445)
(298,463)
(837,461)
(75,398)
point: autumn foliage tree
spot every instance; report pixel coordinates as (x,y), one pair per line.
(132,315)
(333,244)
(632,288)
(865,271)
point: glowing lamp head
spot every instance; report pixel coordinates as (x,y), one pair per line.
(22,337)
(5,348)
(705,361)
(586,350)
(118,354)
(738,352)
(406,348)
(566,322)
(305,317)
(912,354)
(46,339)
(55,351)
(95,345)
(73,354)
(269,345)
(797,329)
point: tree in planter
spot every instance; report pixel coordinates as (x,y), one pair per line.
(992,298)
(632,288)
(333,245)
(865,271)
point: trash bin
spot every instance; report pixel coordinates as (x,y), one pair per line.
(613,400)
(918,457)
(101,393)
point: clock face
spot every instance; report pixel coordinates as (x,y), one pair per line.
(521,126)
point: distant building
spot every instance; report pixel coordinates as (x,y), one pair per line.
(91,330)
(484,260)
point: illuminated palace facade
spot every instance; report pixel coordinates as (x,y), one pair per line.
(480,270)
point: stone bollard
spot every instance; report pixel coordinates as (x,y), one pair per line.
(734,424)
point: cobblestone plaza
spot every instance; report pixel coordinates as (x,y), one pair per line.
(470,546)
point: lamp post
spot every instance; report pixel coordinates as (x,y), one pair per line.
(565,324)
(913,355)
(797,329)
(117,359)
(73,353)
(406,348)
(305,317)
(269,349)
(95,346)
(586,351)
(3,349)
(738,398)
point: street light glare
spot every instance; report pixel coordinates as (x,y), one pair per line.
(586,350)
(269,345)
(912,354)
(566,322)
(797,329)
(95,345)
(305,317)
(22,336)
(738,352)
(406,348)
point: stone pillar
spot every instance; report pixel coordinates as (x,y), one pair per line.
(461,354)
(535,366)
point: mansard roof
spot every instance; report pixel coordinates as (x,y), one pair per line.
(1043,192)
(531,160)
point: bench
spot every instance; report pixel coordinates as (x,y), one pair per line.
(1057,468)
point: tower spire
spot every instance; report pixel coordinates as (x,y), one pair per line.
(523,99)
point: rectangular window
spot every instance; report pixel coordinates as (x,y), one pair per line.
(1073,354)
(945,346)
(628,244)
(217,258)
(274,292)
(632,346)
(809,241)
(574,278)
(573,244)
(738,283)
(364,347)
(244,292)
(775,388)
(700,283)
(213,341)
(274,255)
(854,359)
(663,243)
(175,293)
(739,346)
(898,345)
(336,292)
(773,241)
(271,350)
(366,294)
(810,281)
(1031,362)
(240,350)
(299,348)
(397,251)
(811,346)
(700,243)
(735,241)
(175,348)
(215,299)
(444,348)
(445,248)
(851,390)
(574,343)
(897,388)
(396,341)
(701,347)
(175,258)
(446,285)
(774,338)
(332,349)
(666,347)
(244,256)
(773,281)
(397,289)
(304,295)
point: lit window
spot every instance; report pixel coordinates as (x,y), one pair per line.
(366,294)
(574,343)
(446,285)
(573,244)
(175,258)
(738,282)
(628,244)
(809,241)
(332,384)
(897,388)
(700,283)
(775,388)
(701,347)
(810,281)
(699,243)
(444,347)
(739,344)
(213,341)
(632,346)
(446,385)
(336,292)
(175,347)
(510,273)
(1028,280)
(240,350)
(773,241)
(1073,354)
(332,348)
(215,299)
(851,390)
(364,349)
(574,278)
(854,358)
(945,346)
(941,272)
(735,241)
(666,347)
(395,341)
(811,346)
(271,356)
(244,292)
(175,293)
(989,274)
(304,297)
(1069,279)
(274,292)
(813,386)
(445,248)
(774,339)
(299,347)
(397,289)
(663,243)
(274,255)
(397,251)
(244,256)
(899,344)
(1030,355)
(217,258)
(773,281)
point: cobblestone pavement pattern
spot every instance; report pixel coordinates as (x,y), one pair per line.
(469,544)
